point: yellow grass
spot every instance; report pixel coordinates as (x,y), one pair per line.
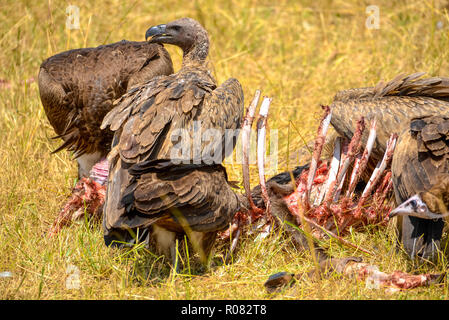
(298,52)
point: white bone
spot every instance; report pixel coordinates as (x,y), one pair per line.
(333,170)
(381,166)
(365,156)
(246,134)
(314,163)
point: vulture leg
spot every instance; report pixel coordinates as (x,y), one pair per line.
(233,233)
(204,243)
(166,244)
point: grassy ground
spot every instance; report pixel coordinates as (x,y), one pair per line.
(299,52)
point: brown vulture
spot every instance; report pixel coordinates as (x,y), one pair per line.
(155,186)
(420,170)
(77,89)
(417,109)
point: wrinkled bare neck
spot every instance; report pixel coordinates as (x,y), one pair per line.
(198,52)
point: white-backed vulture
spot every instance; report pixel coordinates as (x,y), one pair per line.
(148,186)
(417,109)
(420,170)
(77,89)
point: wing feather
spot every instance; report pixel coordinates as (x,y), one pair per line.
(393,104)
(148,117)
(417,163)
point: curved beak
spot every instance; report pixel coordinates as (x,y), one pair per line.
(157,33)
(414,206)
(400,210)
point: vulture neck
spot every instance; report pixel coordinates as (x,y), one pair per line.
(197,53)
(437,198)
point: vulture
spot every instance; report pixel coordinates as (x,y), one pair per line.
(165,175)
(77,88)
(417,109)
(420,170)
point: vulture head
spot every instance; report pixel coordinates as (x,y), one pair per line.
(416,207)
(186,33)
(431,204)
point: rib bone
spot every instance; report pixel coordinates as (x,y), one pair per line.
(353,149)
(333,170)
(246,133)
(391,144)
(361,162)
(319,142)
(261,134)
(377,173)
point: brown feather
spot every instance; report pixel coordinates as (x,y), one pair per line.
(78,87)
(394,104)
(429,160)
(198,195)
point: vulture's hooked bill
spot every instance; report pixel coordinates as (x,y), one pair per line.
(78,87)
(146,189)
(418,109)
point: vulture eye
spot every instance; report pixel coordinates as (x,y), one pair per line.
(176,28)
(413,203)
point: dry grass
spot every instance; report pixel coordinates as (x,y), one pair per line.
(299,52)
